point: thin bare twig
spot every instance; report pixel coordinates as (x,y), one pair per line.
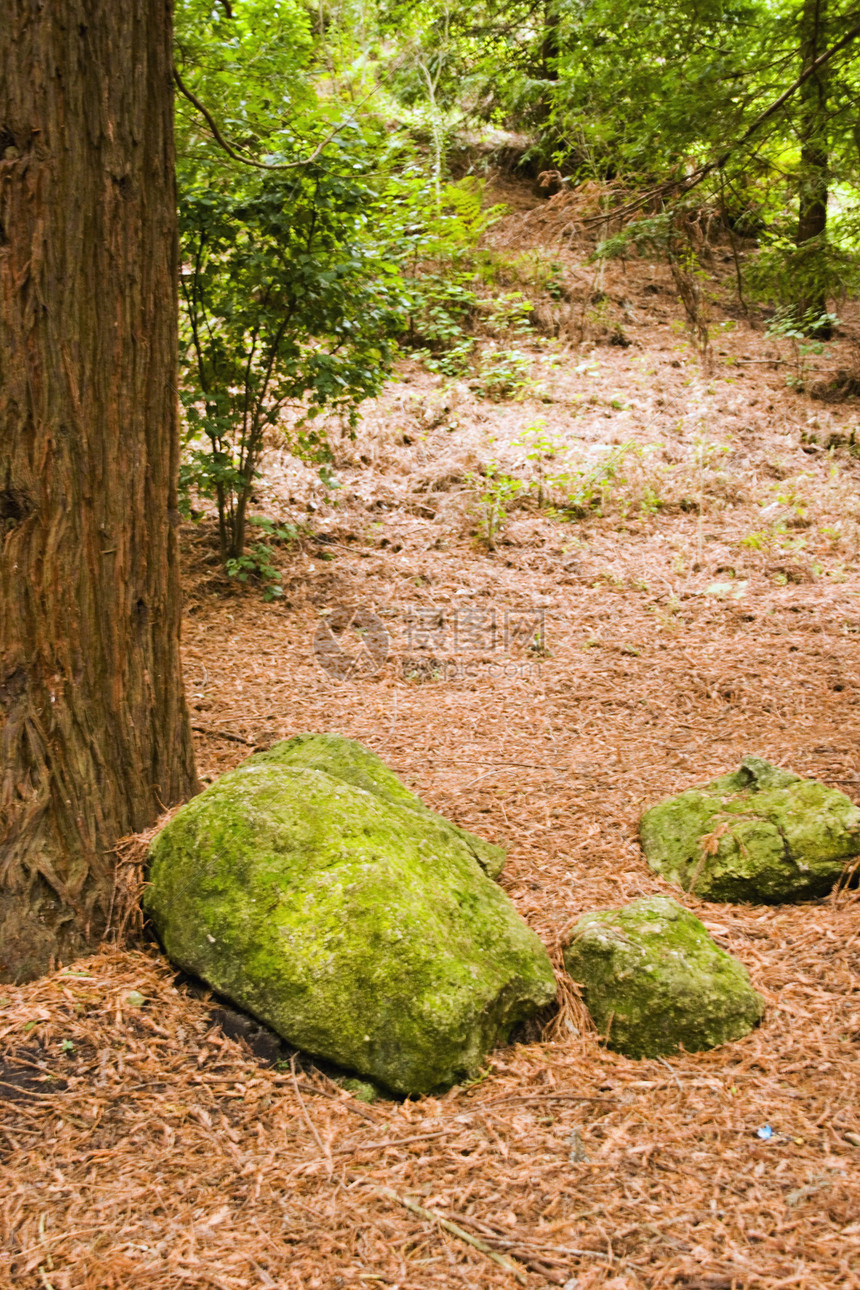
(250,161)
(462,1235)
(326,1150)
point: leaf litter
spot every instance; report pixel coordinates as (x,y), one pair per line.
(143,1147)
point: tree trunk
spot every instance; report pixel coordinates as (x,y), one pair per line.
(550,47)
(550,51)
(812,207)
(93,725)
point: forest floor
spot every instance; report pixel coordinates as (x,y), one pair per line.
(699,602)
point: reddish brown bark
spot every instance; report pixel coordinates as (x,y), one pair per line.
(814,160)
(93,727)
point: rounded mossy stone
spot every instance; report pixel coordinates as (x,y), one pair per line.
(351,762)
(359,929)
(761,834)
(362,1090)
(655,982)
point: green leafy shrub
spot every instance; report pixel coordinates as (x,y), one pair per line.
(508,313)
(257,562)
(288,302)
(440,322)
(504,374)
(800,328)
(445,270)
(782,274)
(590,489)
(493,494)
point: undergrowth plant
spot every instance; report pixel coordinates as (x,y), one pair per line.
(257,561)
(288,302)
(801,330)
(592,488)
(440,322)
(540,271)
(508,313)
(444,275)
(504,374)
(541,449)
(493,494)
(563,488)
(680,238)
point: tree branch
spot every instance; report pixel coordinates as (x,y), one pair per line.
(237,156)
(692,181)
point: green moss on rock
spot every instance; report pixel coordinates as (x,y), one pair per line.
(655,982)
(761,834)
(361,1089)
(353,763)
(357,926)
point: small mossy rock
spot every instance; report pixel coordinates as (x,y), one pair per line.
(761,834)
(654,979)
(353,763)
(357,927)
(361,1089)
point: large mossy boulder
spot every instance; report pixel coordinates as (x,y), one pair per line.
(346,916)
(353,763)
(761,834)
(655,982)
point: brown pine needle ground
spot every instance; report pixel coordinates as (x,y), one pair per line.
(143,1150)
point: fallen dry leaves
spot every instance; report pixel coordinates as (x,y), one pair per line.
(142,1149)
